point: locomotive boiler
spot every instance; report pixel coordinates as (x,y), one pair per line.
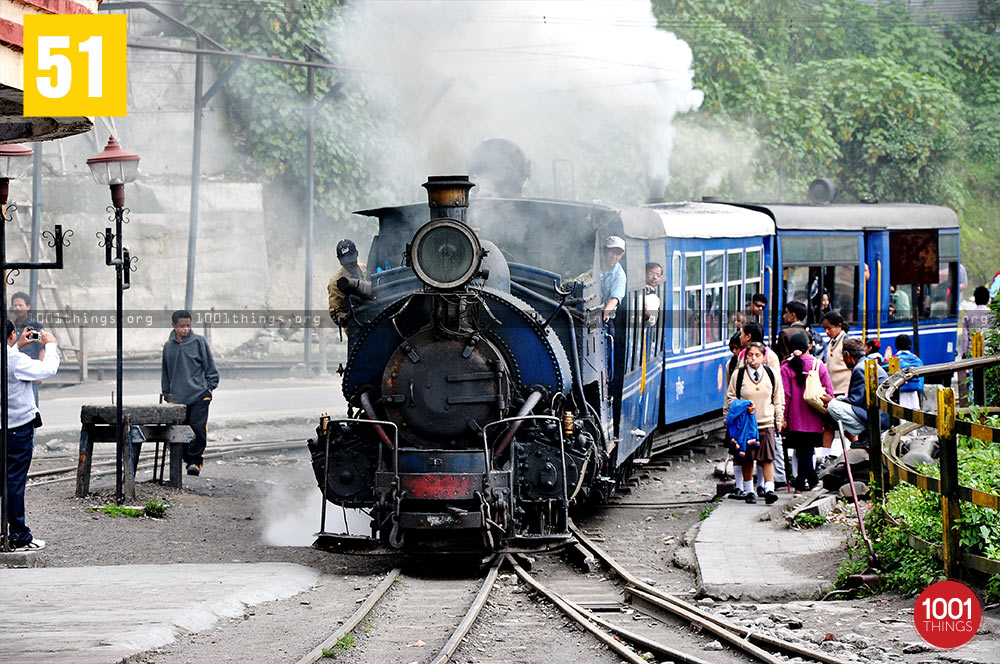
(464,431)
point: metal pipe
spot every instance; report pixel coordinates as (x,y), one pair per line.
(366,404)
(310,202)
(4,393)
(199,80)
(36,221)
(529,405)
(119,340)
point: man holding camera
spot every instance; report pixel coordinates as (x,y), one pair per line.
(20,307)
(22,419)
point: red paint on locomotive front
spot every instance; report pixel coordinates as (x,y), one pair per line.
(441,486)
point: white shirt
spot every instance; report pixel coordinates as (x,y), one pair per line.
(22,371)
(652,308)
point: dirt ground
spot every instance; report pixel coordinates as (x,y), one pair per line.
(265,508)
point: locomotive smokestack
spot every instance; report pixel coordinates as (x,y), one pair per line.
(448,196)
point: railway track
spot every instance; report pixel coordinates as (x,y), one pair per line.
(584,597)
(106,464)
(423,614)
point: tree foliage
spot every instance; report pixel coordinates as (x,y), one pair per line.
(268,103)
(887,104)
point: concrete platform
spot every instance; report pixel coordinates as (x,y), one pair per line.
(102,615)
(741,556)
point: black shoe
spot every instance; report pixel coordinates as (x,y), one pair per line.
(770,497)
(760,492)
(739,494)
(193,469)
(751,499)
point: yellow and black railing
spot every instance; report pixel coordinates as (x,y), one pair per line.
(888,468)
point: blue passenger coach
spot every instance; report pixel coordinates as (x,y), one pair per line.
(843,255)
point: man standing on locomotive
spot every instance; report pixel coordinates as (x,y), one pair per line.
(347,254)
(613,281)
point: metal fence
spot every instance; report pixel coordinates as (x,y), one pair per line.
(887,469)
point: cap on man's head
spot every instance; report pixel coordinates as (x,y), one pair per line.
(614,242)
(346,252)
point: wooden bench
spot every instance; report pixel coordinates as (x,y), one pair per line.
(160,423)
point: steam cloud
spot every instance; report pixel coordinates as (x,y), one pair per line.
(292,509)
(591,82)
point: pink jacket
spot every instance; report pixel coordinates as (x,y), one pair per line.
(800,415)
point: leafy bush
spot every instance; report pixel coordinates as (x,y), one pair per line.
(810,520)
(155,509)
(902,567)
(919,512)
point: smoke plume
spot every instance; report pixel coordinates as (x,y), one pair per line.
(588,89)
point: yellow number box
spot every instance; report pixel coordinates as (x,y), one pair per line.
(74,65)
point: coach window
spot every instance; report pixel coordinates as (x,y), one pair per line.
(934,300)
(753,276)
(692,300)
(821,271)
(677,304)
(941,301)
(714,280)
(734,288)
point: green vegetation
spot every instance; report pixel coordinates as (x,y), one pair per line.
(115,511)
(887,104)
(707,511)
(267,104)
(343,644)
(805,520)
(903,568)
(919,512)
(153,508)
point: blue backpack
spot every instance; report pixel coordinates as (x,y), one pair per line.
(906,360)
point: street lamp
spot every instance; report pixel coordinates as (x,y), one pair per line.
(14,162)
(114,167)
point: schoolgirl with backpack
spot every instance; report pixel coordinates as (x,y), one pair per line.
(756,383)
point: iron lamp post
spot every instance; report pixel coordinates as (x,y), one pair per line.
(114,167)
(14,162)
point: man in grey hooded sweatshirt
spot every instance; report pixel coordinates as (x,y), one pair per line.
(189,376)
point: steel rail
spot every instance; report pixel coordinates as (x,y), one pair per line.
(730,632)
(621,649)
(270,447)
(262,447)
(470,616)
(628,635)
(362,612)
(217,447)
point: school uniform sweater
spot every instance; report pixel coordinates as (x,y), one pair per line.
(840,373)
(768,399)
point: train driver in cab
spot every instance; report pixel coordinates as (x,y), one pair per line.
(350,268)
(613,281)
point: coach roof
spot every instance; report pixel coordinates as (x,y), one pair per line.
(695,220)
(858,216)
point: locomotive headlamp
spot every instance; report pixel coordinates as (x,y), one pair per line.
(445,253)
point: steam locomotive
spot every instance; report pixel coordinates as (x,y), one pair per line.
(486,397)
